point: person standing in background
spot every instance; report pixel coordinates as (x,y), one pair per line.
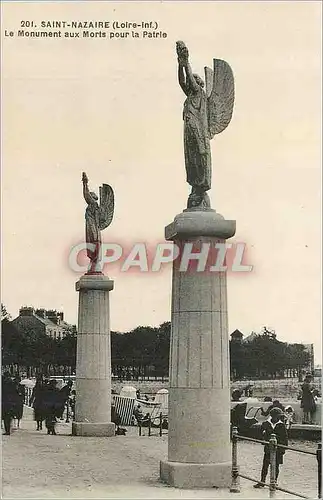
(37,401)
(63,397)
(20,399)
(52,406)
(8,401)
(307,400)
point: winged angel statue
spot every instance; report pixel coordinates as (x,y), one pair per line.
(205,114)
(97,218)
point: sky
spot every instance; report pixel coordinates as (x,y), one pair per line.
(113,108)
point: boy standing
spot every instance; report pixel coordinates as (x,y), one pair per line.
(274,425)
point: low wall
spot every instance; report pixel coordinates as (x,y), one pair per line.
(275,388)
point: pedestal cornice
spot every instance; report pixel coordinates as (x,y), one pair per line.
(191,224)
(94,282)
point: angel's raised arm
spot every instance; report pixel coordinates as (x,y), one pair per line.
(86,192)
(182,79)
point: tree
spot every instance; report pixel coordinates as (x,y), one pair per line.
(66,351)
(237,359)
(4,313)
(297,358)
(265,356)
(12,345)
(142,352)
(161,354)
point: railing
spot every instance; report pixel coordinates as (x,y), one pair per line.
(235,484)
(149,421)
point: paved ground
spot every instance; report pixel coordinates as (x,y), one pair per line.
(39,466)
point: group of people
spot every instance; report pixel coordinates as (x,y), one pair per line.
(49,402)
(12,400)
(240,419)
(287,411)
(279,421)
(308,396)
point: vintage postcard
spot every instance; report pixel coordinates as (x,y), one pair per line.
(161,300)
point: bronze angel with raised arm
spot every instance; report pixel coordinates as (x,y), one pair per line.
(206,113)
(98,216)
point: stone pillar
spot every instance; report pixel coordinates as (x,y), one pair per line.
(93,360)
(199,452)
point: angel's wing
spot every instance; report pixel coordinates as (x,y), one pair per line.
(208,80)
(220,94)
(106,206)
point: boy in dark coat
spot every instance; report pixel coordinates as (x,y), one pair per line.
(274,425)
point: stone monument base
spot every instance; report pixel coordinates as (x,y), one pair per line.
(199,382)
(189,475)
(97,429)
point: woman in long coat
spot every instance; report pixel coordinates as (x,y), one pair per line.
(37,401)
(307,400)
(20,395)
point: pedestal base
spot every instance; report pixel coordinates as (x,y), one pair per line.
(104,429)
(93,360)
(188,475)
(199,383)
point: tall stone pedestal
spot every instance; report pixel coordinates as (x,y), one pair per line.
(93,361)
(199,394)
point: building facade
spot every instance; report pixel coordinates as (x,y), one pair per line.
(50,322)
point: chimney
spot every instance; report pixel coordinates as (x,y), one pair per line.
(52,316)
(40,313)
(26,311)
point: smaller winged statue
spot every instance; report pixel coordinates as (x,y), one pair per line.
(206,113)
(97,217)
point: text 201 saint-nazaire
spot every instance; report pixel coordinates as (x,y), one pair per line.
(90,29)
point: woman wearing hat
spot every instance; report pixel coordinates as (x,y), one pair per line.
(273,425)
(308,401)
